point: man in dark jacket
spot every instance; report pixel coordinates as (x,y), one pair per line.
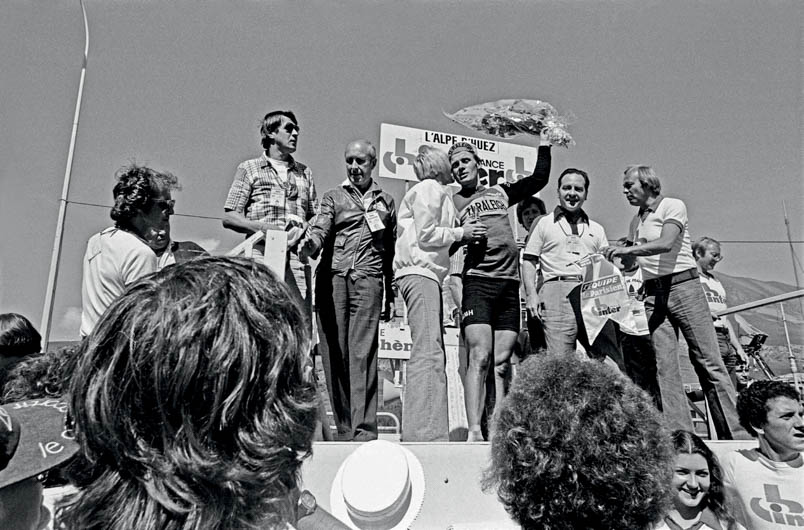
(355,232)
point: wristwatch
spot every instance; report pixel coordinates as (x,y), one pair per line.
(306,504)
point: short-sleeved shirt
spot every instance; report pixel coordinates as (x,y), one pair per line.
(763,491)
(558,244)
(114,259)
(261,194)
(715,296)
(647,226)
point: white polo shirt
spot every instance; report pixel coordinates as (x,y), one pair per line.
(553,243)
(647,226)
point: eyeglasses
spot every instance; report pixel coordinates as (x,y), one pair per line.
(164,205)
(289,128)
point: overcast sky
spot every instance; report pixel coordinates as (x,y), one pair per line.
(709,93)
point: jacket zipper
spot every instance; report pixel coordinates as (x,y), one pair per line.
(362,227)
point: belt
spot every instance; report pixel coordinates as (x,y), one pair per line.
(663,283)
(572,278)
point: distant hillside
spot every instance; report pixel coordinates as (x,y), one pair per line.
(768,319)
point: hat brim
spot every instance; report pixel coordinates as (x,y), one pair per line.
(337,504)
(45,442)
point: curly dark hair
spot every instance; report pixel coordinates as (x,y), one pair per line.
(190,404)
(135,189)
(685,442)
(18,337)
(45,375)
(577,445)
(752,403)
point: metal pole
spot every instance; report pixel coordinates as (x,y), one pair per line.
(792,253)
(790,357)
(47,311)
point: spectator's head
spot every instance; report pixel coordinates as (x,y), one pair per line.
(42,376)
(18,337)
(465,164)
(190,404)
(432,163)
(573,188)
(34,438)
(772,411)
(18,340)
(530,209)
(360,157)
(143,201)
(640,185)
(159,240)
(697,478)
(707,253)
(280,129)
(578,445)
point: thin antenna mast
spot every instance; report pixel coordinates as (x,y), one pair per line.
(792,254)
(47,311)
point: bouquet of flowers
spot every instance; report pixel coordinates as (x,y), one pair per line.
(509,117)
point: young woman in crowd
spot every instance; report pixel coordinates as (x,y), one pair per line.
(699,502)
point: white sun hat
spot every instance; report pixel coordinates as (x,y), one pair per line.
(380,486)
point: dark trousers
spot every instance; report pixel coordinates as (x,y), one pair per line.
(348,309)
(640,364)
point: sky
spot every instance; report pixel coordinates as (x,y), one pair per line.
(709,93)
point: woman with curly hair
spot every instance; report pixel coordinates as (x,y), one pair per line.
(190,404)
(576,444)
(699,502)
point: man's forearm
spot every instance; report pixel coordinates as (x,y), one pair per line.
(529,275)
(239,223)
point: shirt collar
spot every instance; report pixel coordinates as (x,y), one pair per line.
(374,188)
(559,212)
(266,162)
(652,207)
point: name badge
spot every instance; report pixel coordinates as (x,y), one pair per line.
(374,221)
(574,246)
(277,197)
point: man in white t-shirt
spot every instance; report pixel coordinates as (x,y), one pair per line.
(707,254)
(766,484)
(674,301)
(639,358)
(119,255)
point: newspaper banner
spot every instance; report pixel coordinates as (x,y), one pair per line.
(500,161)
(604,295)
(394,341)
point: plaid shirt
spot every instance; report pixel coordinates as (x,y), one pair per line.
(250,193)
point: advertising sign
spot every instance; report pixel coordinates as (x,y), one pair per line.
(500,161)
(604,295)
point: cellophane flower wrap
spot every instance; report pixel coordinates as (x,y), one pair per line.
(509,117)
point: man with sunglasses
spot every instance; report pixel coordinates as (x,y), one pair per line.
(276,192)
(120,255)
(707,254)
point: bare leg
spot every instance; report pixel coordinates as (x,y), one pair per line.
(504,341)
(479,345)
